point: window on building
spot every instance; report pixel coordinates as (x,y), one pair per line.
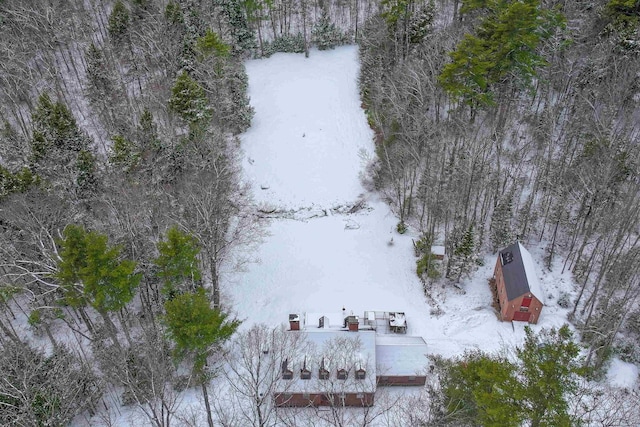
(523,308)
(361,374)
(305,374)
(342,374)
(360,395)
(323,374)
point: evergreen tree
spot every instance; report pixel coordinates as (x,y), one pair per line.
(118,21)
(189,101)
(421,23)
(105,92)
(55,128)
(504,48)
(463,253)
(60,151)
(501,230)
(86,180)
(212,44)
(478,390)
(550,370)
(173,14)
(91,272)
(17,182)
(243,36)
(177,263)
(325,35)
(195,328)
(123,153)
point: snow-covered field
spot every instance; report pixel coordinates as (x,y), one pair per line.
(305,153)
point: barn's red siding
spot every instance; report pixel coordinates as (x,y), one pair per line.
(508,309)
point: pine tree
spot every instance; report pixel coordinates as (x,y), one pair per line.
(243,36)
(212,44)
(503,48)
(118,21)
(189,100)
(91,272)
(55,128)
(123,153)
(501,230)
(195,328)
(463,253)
(550,369)
(478,389)
(177,263)
(86,180)
(325,35)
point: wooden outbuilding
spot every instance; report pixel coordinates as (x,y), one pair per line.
(517,285)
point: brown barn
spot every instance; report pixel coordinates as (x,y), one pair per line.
(338,368)
(518,288)
(346,362)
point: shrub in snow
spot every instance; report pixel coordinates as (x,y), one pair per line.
(564,301)
(426,265)
(627,349)
(285,43)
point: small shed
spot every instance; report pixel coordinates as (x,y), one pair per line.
(517,285)
(438,252)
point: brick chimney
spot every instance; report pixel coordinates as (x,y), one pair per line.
(352,323)
(294,322)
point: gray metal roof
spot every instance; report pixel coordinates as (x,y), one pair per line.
(515,259)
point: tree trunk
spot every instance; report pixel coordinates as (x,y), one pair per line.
(111,329)
(215,285)
(205,394)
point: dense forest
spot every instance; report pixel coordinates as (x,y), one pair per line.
(122,203)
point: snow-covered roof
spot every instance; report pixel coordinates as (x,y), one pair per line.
(397,319)
(530,271)
(400,355)
(337,349)
(437,250)
(331,320)
(519,273)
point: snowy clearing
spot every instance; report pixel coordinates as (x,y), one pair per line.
(304,156)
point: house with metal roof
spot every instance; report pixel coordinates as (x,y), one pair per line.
(346,359)
(518,289)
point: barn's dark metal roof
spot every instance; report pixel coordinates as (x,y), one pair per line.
(516,280)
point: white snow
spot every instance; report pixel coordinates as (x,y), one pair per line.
(622,374)
(323,348)
(400,355)
(304,155)
(532,277)
(307,142)
(438,250)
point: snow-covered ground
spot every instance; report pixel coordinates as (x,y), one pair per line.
(305,153)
